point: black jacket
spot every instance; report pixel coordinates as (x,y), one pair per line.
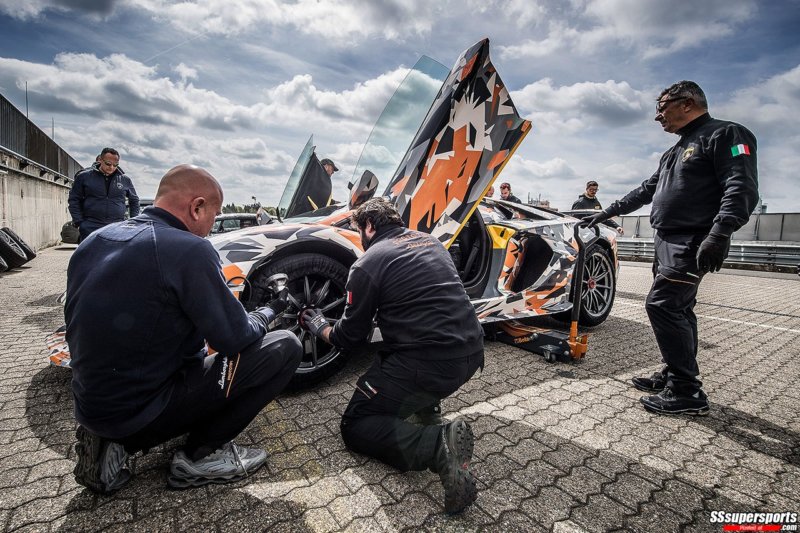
(409,280)
(584,202)
(142,295)
(101,199)
(702,183)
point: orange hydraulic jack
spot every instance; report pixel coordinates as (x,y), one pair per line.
(554,345)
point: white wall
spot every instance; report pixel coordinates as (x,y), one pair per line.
(34,206)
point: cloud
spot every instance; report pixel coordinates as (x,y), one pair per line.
(580,106)
(33,8)
(338,21)
(764,106)
(653,28)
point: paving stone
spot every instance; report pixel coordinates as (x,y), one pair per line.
(559,447)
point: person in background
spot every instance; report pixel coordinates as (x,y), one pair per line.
(505,193)
(705,188)
(329,166)
(588,200)
(98,194)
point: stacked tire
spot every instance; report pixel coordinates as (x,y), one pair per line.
(14,252)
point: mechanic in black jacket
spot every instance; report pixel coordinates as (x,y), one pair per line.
(98,194)
(143,296)
(705,188)
(588,200)
(433,345)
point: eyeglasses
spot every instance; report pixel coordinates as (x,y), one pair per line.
(662,105)
(110,164)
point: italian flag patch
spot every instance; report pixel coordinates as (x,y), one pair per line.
(740,149)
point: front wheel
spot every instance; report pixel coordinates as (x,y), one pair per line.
(598,288)
(317,281)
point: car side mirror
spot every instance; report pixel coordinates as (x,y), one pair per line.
(364,190)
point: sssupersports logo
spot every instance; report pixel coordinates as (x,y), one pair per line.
(753,518)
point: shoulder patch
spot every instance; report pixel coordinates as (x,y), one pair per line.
(740,149)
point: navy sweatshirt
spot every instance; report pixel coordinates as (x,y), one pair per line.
(142,295)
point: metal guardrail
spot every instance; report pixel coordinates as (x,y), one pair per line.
(762,227)
(778,256)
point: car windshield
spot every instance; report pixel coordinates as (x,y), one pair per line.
(400,119)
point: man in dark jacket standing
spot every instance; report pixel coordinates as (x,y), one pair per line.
(143,297)
(588,200)
(434,344)
(98,194)
(705,188)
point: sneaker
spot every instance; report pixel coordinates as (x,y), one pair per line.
(668,403)
(101,463)
(453,455)
(654,383)
(428,416)
(226,465)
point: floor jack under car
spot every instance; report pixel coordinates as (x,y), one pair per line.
(552,344)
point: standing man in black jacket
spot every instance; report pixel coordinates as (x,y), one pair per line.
(705,188)
(143,297)
(434,344)
(588,200)
(98,194)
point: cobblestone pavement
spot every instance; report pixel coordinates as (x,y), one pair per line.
(560,447)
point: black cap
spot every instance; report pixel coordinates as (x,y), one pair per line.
(327,161)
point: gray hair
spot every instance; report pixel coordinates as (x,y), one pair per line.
(686,89)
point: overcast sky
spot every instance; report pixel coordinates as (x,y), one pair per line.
(238,86)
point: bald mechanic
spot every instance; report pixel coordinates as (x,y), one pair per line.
(434,344)
(143,296)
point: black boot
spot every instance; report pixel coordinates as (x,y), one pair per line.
(668,403)
(452,457)
(101,463)
(654,383)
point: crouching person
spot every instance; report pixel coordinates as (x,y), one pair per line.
(433,341)
(142,295)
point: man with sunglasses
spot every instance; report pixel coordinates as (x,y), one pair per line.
(705,188)
(98,194)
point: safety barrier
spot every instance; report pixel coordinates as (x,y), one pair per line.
(776,256)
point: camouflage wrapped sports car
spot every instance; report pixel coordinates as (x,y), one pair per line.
(515,261)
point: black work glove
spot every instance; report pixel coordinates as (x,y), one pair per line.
(596,219)
(314,321)
(712,252)
(75,224)
(280,302)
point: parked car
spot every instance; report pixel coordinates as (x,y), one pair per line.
(516,261)
(233,221)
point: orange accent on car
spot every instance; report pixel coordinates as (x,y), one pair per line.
(498,159)
(446,178)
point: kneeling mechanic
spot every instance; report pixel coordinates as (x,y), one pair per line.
(433,345)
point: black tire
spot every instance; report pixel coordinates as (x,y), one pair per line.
(3,264)
(11,252)
(315,280)
(30,253)
(598,288)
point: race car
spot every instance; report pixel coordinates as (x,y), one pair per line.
(442,140)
